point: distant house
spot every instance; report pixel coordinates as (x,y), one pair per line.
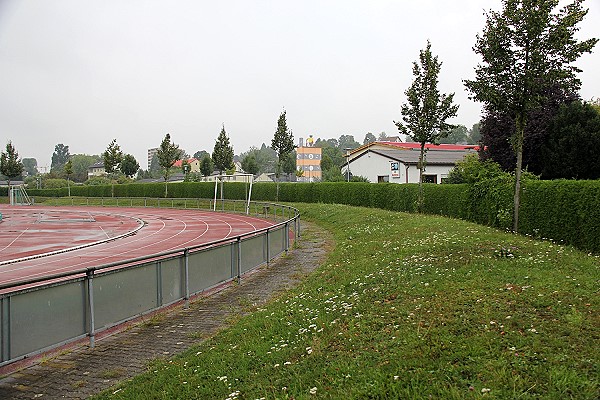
(96,169)
(192,162)
(396,162)
(265,177)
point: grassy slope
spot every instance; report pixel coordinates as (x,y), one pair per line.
(407,306)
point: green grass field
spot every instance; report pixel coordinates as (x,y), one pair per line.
(406,306)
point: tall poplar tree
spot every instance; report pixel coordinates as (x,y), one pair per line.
(424,116)
(60,157)
(283,144)
(526,48)
(222,155)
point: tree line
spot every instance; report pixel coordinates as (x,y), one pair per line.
(533,117)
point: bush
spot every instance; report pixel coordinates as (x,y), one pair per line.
(54,183)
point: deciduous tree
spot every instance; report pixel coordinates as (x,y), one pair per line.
(572,149)
(249,164)
(206,166)
(129,165)
(112,157)
(167,154)
(222,155)
(59,157)
(68,169)
(424,116)
(283,141)
(525,48)
(10,164)
(30,166)
(369,138)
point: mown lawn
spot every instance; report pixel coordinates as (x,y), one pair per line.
(406,306)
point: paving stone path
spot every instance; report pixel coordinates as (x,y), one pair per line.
(82,372)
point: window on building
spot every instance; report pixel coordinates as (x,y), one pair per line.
(383,178)
(430,179)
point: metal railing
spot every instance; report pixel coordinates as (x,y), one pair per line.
(37,315)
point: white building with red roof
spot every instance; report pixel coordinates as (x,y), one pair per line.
(192,162)
(396,162)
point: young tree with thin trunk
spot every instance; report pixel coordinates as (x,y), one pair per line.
(424,116)
(526,48)
(112,158)
(167,154)
(68,169)
(10,164)
(283,144)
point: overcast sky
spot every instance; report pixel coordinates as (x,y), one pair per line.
(82,72)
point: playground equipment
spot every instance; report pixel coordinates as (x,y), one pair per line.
(19,197)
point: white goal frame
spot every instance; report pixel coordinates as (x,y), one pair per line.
(228,178)
(18,196)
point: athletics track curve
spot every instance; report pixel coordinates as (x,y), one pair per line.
(87,237)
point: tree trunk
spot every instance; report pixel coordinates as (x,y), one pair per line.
(519,152)
(421,168)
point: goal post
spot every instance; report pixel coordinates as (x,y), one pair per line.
(245,178)
(18,196)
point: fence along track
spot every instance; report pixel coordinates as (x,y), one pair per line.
(37,315)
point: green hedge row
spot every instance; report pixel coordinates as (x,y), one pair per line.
(567,211)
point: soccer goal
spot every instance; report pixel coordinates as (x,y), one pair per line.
(19,197)
(245,178)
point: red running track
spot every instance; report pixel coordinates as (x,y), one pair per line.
(86,235)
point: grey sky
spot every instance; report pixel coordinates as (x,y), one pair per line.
(83,72)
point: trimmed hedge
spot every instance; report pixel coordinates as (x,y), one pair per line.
(567,211)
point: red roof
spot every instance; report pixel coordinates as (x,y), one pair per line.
(179,162)
(412,145)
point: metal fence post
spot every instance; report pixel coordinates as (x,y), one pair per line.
(159,298)
(5,329)
(268,248)
(287,237)
(239,259)
(186,275)
(90,286)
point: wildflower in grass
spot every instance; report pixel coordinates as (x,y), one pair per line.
(233,395)
(485,390)
(313,390)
